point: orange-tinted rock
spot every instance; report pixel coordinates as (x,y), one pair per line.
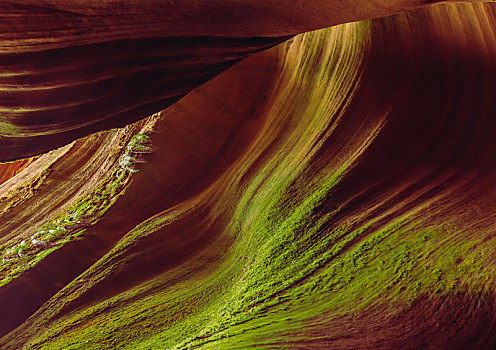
(68,69)
(7,170)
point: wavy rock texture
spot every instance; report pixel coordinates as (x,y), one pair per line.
(335,191)
(71,68)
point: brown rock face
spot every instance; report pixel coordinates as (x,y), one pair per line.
(68,69)
(403,104)
(55,96)
(8,170)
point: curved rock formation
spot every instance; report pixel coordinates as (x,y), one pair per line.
(334,191)
(68,69)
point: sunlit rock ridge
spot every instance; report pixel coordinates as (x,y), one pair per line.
(70,68)
(294,175)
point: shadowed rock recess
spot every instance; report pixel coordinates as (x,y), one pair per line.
(230,174)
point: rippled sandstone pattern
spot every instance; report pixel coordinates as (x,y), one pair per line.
(334,191)
(71,68)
